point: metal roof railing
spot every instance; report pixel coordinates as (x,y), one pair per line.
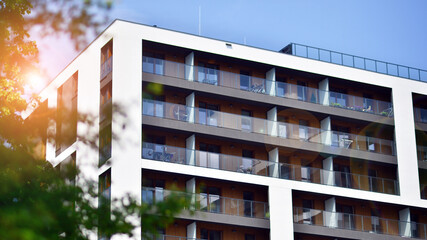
(355,62)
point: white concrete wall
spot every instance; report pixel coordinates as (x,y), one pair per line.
(281,217)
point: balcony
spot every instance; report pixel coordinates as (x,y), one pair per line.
(370,224)
(258,167)
(106,67)
(355,62)
(267,127)
(213,203)
(422,153)
(264,86)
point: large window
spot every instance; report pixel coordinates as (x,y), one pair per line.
(245,80)
(302,91)
(345,216)
(248,198)
(208,73)
(303,130)
(105,102)
(153,63)
(338,97)
(105,137)
(210,234)
(153,190)
(209,155)
(246,120)
(104,202)
(208,114)
(66,124)
(210,199)
(106,59)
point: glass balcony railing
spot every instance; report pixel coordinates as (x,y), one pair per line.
(264,86)
(266,127)
(212,203)
(371,224)
(258,167)
(106,67)
(355,62)
(420,115)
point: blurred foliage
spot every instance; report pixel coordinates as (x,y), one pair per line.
(38,201)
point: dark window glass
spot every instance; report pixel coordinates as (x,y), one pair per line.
(66,125)
(245,80)
(153,63)
(105,137)
(302,91)
(210,234)
(210,199)
(208,73)
(249,237)
(249,208)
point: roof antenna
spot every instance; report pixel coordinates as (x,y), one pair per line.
(200,20)
(244,40)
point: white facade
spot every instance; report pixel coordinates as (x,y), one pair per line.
(126,162)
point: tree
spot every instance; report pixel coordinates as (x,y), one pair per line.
(38,201)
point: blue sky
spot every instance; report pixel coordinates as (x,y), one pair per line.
(389,30)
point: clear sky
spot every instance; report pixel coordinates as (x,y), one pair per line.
(390,30)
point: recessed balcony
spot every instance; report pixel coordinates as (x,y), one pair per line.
(258,167)
(263,86)
(212,203)
(354,222)
(267,127)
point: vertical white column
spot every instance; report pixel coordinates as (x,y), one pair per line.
(326,135)
(406,148)
(189,67)
(405,222)
(271,82)
(190,144)
(273,157)
(281,217)
(272,123)
(324,92)
(190,103)
(192,230)
(330,215)
(328,174)
(127,90)
(190,187)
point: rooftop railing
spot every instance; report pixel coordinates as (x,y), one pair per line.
(212,203)
(265,168)
(266,127)
(371,224)
(420,115)
(355,62)
(264,86)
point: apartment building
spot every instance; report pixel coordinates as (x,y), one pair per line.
(301,143)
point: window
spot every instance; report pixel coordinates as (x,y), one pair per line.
(281,87)
(104,202)
(106,59)
(345,216)
(341,137)
(306,172)
(208,73)
(153,108)
(247,161)
(210,234)
(245,80)
(373,180)
(375,220)
(209,155)
(153,190)
(105,102)
(302,91)
(154,148)
(342,176)
(338,97)
(66,124)
(285,168)
(105,144)
(153,63)
(303,130)
(368,102)
(210,199)
(246,120)
(208,114)
(249,237)
(415,232)
(248,202)
(307,206)
(370,141)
